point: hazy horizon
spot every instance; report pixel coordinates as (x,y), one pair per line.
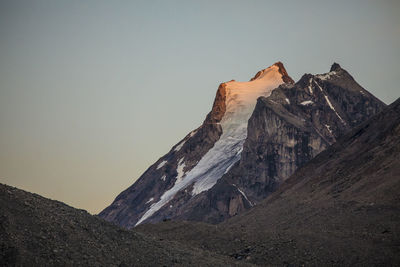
(92,93)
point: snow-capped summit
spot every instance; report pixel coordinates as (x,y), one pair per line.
(257,133)
(277,66)
(240,100)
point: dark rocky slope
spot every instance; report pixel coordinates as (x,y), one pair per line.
(132,203)
(295,124)
(35,231)
(342,208)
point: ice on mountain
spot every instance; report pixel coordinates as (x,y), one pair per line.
(244,195)
(329,103)
(179,170)
(310,86)
(161,164)
(307,102)
(241,98)
(331,106)
(180,145)
(326,76)
(329,128)
(193,133)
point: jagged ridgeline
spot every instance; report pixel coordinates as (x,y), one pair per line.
(256,135)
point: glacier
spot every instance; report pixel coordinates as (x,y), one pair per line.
(241,98)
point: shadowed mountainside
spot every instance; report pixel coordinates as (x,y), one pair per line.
(257,134)
(342,208)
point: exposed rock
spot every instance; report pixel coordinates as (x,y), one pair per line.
(283,135)
(342,208)
(288,127)
(159,177)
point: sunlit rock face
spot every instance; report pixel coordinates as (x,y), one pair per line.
(257,134)
(294,124)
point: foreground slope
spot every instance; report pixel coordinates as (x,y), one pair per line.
(342,208)
(246,147)
(35,231)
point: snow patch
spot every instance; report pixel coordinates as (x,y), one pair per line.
(179,170)
(287,100)
(241,98)
(240,151)
(244,195)
(330,104)
(307,102)
(150,200)
(161,164)
(329,128)
(326,76)
(178,147)
(320,88)
(310,86)
(193,133)
(163,177)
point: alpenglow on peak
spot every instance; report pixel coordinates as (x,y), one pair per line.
(256,135)
(240,100)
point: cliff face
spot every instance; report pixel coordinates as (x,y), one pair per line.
(196,163)
(161,176)
(295,124)
(341,208)
(286,130)
(246,147)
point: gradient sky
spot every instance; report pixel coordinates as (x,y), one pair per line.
(93,92)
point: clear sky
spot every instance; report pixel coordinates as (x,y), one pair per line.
(93,92)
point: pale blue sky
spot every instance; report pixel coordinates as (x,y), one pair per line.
(93,92)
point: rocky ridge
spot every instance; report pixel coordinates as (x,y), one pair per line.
(288,126)
(339,209)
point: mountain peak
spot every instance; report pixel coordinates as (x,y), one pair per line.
(280,68)
(335,67)
(285,76)
(215,171)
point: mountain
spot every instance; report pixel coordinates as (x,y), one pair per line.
(256,135)
(342,208)
(35,231)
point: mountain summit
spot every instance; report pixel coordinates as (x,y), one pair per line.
(256,135)
(281,69)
